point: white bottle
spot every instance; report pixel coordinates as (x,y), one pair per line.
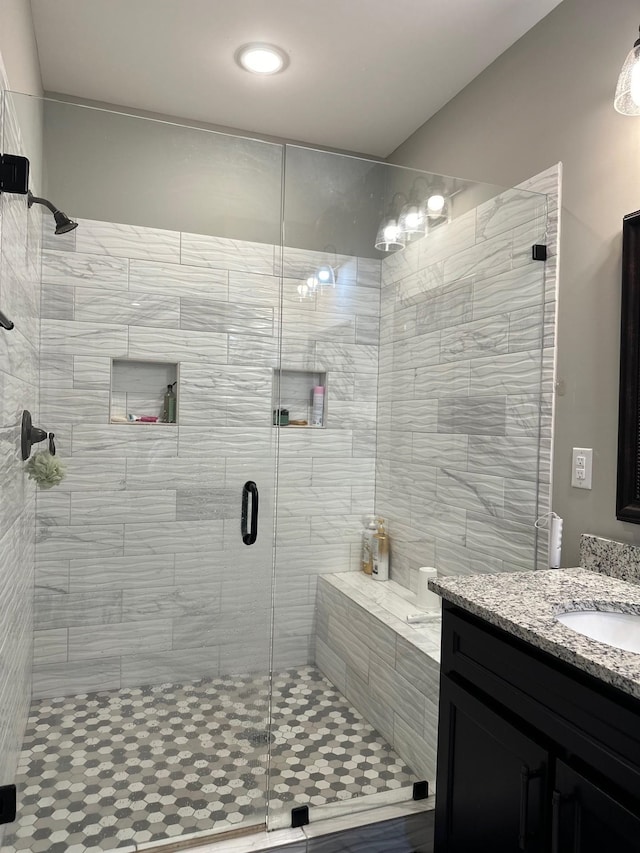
(380,569)
(367,545)
(317,409)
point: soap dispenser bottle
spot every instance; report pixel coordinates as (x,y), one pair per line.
(367,545)
(169,406)
(380,566)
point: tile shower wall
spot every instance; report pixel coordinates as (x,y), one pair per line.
(465,389)
(140,571)
(19,299)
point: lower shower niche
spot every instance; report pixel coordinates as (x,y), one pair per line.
(143,392)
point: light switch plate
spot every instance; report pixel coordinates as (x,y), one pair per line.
(581,467)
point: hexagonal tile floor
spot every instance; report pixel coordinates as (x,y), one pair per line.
(115,769)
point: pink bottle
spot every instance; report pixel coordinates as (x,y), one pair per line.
(317,409)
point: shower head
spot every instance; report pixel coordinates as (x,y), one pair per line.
(63,223)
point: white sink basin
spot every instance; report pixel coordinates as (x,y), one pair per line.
(621,630)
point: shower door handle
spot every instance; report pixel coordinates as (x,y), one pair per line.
(249,488)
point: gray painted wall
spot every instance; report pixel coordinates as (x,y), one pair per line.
(550,98)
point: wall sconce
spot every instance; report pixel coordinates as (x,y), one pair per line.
(627,98)
(388,238)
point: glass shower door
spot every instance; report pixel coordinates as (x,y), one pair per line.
(150,719)
(412,307)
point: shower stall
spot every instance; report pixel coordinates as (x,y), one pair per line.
(194,654)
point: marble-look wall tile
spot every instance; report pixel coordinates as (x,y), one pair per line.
(178,280)
(511,542)
(222,317)
(126,638)
(57,302)
(177,345)
(67,543)
(473,492)
(484,259)
(170,538)
(90,373)
(55,610)
(203,503)
(116,573)
(518,289)
(118,440)
(227,254)
(61,405)
(481,338)
(77,338)
(122,507)
(127,241)
(445,307)
(50,646)
(513,373)
(368,272)
(68,679)
(472,415)
(507,211)
(93,305)
(78,270)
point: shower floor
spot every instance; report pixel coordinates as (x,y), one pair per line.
(120,768)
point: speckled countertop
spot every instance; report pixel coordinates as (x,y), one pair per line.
(525,604)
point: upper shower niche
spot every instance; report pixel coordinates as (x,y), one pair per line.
(140,392)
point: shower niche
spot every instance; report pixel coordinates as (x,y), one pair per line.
(140,392)
(293,398)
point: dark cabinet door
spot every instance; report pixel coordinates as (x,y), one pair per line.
(492,785)
(587,820)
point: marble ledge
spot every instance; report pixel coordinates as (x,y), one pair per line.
(525,605)
(391,603)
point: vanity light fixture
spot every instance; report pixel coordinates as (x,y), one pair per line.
(323,276)
(427,207)
(262,59)
(627,98)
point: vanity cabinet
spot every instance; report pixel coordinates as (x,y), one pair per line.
(534,755)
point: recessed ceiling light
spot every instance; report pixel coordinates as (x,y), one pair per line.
(261,58)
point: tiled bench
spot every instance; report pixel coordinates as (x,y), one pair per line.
(388,669)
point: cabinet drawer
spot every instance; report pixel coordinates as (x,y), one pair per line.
(584,717)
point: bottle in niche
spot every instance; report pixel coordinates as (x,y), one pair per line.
(380,562)
(317,407)
(169,405)
(367,545)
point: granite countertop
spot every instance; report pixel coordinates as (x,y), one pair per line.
(525,604)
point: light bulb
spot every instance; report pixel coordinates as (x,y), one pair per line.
(391,233)
(324,274)
(413,220)
(435,203)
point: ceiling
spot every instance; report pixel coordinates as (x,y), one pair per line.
(363,75)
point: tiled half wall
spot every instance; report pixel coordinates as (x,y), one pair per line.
(141,573)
